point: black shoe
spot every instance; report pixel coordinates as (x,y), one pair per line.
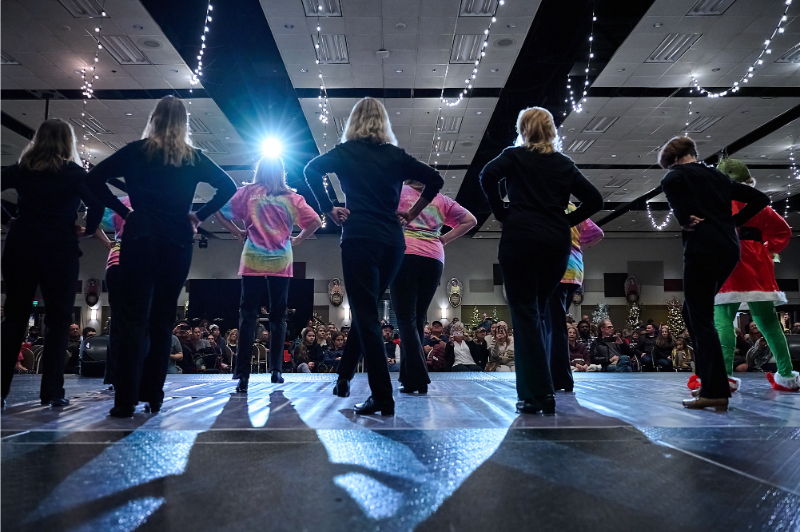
(408,389)
(276,377)
(546,404)
(153,407)
(370,406)
(242,386)
(55,402)
(342,388)
(567,389)
(121,411)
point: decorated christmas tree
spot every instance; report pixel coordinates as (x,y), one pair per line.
(476,319)
(675,317)
(634,312)
(495,319)
(600,312)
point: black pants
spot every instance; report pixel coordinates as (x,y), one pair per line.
(466,367)
(531,273)
(26,265)
(154,271)
(114,285)
(412,292)
(703,276)
(252,290)
(556,321)
(368,268)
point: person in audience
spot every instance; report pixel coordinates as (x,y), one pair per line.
(610,351)
(426,333)
(634,339)
(331,329)
(501,354)
(458,350)
(198,342)
(682,355)
(645,345)
(479,347)
(216,332)
(393,351)
(418,279)
(74,348)
(35,336)
(264,338)
(436,337)
(662,349)
(579,358)
(701,199)
(760,357)
(486,323)
(322,337)
(585,333)
(371,170)
(753,282)
(333,355)
(584,235)
(50,184)
(269,210)
(232,343)
(161,173)
(308,352)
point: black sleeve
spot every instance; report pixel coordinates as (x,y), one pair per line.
(677,196)
(313,172)
(8,180)
(217,178)
(755,199)
(419,171)
(113,166)
(94,206)
(490,177)
(590,198)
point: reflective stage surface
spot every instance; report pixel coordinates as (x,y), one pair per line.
(621,454)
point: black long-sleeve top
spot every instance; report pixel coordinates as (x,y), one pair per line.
(372,178)
(48,201)
(539,188)
(694,189)
(161,195)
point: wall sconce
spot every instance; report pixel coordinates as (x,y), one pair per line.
(94,314)
(444,313)
(347,315)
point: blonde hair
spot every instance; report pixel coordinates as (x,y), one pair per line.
(271,174)
(52,147)
(369,121)
(537,130)
(167,133)
(231,333)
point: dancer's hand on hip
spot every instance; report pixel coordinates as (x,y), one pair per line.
(693,221)
(195,221)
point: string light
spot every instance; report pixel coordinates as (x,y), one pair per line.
(751,70)
(793,173)
(198,71)
(322,98)
(87,87)
(577,106)
(653,221)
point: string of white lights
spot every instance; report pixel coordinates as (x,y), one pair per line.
(198,70)
(324,104)
(87,88)
(793,173)
(751,70)
(653,221)
(578,106)
(479,59)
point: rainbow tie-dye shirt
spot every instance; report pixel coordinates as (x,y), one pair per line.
(585,233)
(113,222)
(269,221)
(422,235)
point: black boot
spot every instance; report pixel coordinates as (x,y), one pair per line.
(371,406)
(423,388)
(242,386)
(121,411)
(546,404)
(342,388)
(276,377)
(153,407)
(55,402)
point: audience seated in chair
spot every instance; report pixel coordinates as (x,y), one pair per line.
(682,356)
(308,353)
(759,357)
(610,351)
(579,358)
(662,349)
(333,355)
(501,354)
(459,352)
(644,347)
(392,347)
(479,347)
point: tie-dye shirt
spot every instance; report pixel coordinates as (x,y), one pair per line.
(422,234)
(585,233)
(114,222)
(269,221)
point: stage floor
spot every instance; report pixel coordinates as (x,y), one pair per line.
(621,454)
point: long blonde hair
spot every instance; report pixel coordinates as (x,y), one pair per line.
(369,121)
(271,174)
(52,147)
(167,133)
(537,130)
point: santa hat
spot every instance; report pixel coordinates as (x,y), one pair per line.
(784,384)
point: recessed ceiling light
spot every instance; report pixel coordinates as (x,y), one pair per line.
(138,27)
(478,112)
(288,26)
(708,136)
(763,156)
(745,112)
(613,155)
(64,27)
(78,72)
(620,70)
(510,26)
(715,70)
(397,112)
(400,26)
(399,70)
(128,114)
(427,112)
(303,70)
(174,71)
(209,113)
(495,70)
(433,70)
(227,138)
(463,156)
(658,25)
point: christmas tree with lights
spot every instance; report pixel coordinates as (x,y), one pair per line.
(495,319)
(476,319)
(600,313)
(675,317)
(634,313)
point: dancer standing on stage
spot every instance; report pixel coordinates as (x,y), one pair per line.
(415,284)
(701,198)
(269,209)
(535,244)
(584,235)
(752,285)
(161,173)
(371,169)
(41,249)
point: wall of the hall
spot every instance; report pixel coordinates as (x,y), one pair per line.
(470,260)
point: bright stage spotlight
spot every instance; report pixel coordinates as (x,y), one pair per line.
(271,148)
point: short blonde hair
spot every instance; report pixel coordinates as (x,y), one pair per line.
(369,121)
(537,130)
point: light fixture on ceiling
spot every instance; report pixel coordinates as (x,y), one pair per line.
(673,47)
(579,146)
(699,125)
(397,112)
(478,8)
(600,124)
(658,25)
(209,113)
(511,26)
(8,60)
(64,27)
(210,146)
(271,148)
(322,8)
(400,26)
(613,155)
(433,70)
(399,70)
(620,70)
(791,56)
(124,50)
(196,126)
(332,49)
(478,112)
(707,8)
(715,69)
(138,27)
(128,114)
(466,48)
(91,124)
(227,138)
(383,53)
(288,26)
(304,70)
(505,41)
(83,8)
(495,70)
(449,124)
(174,70)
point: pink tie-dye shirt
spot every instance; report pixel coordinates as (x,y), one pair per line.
(422,235)
(113,222)
(269,221)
